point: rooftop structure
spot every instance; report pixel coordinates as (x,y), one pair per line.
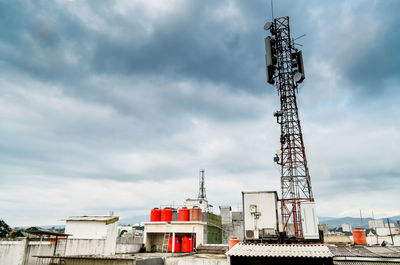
(157,234)
(91,235)
(97,218)
(280,250)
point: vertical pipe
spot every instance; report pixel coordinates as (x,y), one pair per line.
(244,218)
(55,246)
(390,231)
(173,242)
(362,224)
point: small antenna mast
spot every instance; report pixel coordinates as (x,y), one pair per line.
(272,9)
(202,188)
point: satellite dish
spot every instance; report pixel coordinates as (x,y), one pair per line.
(267,25)
(297,77)
(279,152)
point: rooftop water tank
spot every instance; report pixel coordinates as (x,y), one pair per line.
(166,215)
(359,237)
(155,215)
(195,214)
(183,214)
(186,244)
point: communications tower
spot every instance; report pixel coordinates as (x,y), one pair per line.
(202,188)
(285,71)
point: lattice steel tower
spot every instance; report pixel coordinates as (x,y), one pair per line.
(202,188)
(285,70)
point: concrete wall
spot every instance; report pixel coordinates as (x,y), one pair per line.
(129,245)
(86,229)
(373,224)
(87,261)
(198,259)
(226,216)
(150,261)
(233,229)
(373,240)
(338,239)
(111,239)
(21,251)
(37,248)
(12,252)
(91,237)
(98,262)
(386,231)
(86,247)
(18,251)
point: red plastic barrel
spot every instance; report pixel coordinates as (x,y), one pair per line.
(187,244)
(177,244)
(155,215)
(183,214)
(359,236)
(195,214)
(166,215)
(233,241)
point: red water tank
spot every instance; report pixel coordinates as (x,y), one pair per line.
(195,214)
(166,215)
(359,236)
(177,244)
(233,241)
(187,244)
(155,215)
(183,214)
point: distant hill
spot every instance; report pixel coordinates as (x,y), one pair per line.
(331,221)
(355,222)
(59,228)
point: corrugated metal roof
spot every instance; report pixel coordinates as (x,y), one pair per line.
(280,250)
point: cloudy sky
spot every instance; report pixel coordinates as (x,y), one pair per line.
(116,105)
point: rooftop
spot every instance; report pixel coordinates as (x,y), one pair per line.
(100,218)
(280,250)
(366,251)
(212,248)
(45,232)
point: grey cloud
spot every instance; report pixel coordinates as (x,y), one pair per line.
(95,99)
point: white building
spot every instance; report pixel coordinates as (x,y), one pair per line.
(94,235)
(226,215)
(386,231)
(391,225)
(346,227)
(202,204)
(373,224)
(156,234)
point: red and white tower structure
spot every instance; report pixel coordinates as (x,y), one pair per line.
(285,71)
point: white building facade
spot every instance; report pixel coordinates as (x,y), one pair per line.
(94,235)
